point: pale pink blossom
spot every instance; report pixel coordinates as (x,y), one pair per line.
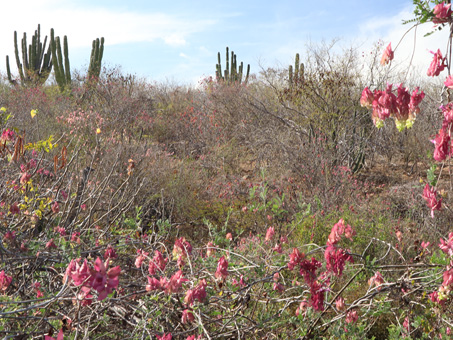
(387,55)
(222,268)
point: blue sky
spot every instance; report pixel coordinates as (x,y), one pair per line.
(178,40)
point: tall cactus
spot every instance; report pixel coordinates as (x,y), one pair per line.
(62,73)
(233,74)
(97,52)
(36,65)
(298,76)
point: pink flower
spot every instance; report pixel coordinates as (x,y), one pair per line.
(376,280)
(181,248)
(140,258)
(200,291)
(110,253)
(430,196)
(153,284)
(278,248)
(352,316)
(104,281)
(302,307)
(175,283)
(157,262)
(229,236)
(79,274)
(366,100)
(164,337)
(50,244)
(25,178)
(441,145)
(60,336)
(7,135)
(192,337)
(437,64)
(339,304)
(317,296)
(10,236)
(425,245)
(406,323)
(270,233)
(241,282)
(338,230)
(442,13)
(336,259)
(75,237)
(447,247)
(449,82)
(187,317)
(14,209)
(308,270)
(222,268)
(388,55)
(210,249)
(55,207)
(5,280)
(278,287)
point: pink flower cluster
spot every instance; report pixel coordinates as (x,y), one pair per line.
(442,13)
(5,281)
(403,106)
(169,286)
(97,277)
(430,196)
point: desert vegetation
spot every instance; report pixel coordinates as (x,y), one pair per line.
(291,203)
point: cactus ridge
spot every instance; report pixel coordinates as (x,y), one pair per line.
(231,74)
(36,64)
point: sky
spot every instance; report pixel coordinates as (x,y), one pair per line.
(177,41)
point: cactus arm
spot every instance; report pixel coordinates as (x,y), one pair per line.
(66,60)
(18,63)
(8,70)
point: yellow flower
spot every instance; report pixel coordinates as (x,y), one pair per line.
(33,113)
(98,131)
(3,109)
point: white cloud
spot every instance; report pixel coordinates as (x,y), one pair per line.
(407,44)
(82,25)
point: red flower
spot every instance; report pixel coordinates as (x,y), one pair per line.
(295,258)
(437,64)
(449,82)
(442,13)
(336,259)
(157,262)
(60,336)
(222,268)
(104,281)
(110,253)
(153,284)
(5,280)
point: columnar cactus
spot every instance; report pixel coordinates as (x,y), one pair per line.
(97,51)
(233,74)
(62,73)
(298,76)
(36,65)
